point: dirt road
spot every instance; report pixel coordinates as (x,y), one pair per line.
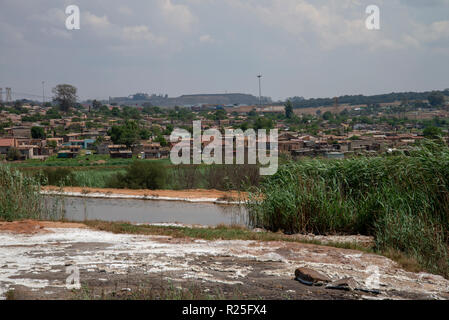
(35,259)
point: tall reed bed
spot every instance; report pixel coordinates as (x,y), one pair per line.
(402,200)
(20,197)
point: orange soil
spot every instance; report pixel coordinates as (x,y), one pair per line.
(188,194)
(33,227)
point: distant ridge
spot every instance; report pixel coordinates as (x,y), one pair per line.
(191,99)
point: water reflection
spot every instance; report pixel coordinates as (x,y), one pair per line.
(148,211)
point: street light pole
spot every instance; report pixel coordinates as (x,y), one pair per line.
(43,93)
(260,90)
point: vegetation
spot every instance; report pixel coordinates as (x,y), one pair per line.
(19,195)
(38,133)
(299,102)
(13,154)
(141,175)
(402,201)
(65,96)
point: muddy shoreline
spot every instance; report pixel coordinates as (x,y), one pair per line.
(196,195)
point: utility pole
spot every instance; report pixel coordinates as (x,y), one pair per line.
(43,93)
(8,95)
(260,90)
(1,95)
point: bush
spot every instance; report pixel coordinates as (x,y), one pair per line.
(403,201)
(140,175)
(19,195)
(59,177)
(13,154)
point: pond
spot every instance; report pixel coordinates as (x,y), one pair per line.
(149,211)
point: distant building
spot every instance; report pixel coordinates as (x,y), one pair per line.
(120,151)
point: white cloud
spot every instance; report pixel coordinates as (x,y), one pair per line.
(206,38)
(178,15)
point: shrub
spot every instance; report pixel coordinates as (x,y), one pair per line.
(19,195)
(59,177)
(13,154)
(140,175)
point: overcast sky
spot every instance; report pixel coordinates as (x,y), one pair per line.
(310,48)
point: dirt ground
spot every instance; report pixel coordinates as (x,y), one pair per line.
(212,195)
(36,259)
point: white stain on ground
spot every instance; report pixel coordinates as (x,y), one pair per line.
(107,253)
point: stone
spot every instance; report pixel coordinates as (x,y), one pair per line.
(347,284)
(311,277)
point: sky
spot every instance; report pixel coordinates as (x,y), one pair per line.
(310,48)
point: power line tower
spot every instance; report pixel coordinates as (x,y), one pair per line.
(8,95)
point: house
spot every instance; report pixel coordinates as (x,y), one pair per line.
(155,151)
(120,151)
(69,152)
(19,132)
(6,144)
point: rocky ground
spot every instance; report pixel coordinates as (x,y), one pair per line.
(37,258)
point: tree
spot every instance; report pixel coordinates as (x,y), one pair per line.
(37,133)
(65,96)
(52,144)
(432,132)
(436,99)
(328,116)
(128,133)
(96,105)
(289,110)
(13,154)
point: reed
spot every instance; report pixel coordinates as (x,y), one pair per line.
(401,200)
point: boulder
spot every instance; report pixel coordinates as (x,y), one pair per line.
(311,277)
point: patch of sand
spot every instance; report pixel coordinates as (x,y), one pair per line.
(34,227)
(185,194)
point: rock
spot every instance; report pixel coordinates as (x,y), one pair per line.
(347,284)
(311,277)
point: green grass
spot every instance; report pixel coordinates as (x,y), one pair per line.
(97,178)
(80,161)
(221,232)
(401,200)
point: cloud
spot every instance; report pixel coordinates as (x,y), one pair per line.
(178,15)
(206,38)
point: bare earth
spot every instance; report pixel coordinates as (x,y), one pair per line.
(34,257)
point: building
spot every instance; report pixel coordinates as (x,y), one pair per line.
(69,152)
(120,151)
(6,144)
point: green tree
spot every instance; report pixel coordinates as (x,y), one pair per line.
(96,105)
(289,110)
(65,96)
(436,99)
(432,132)
(13,154)
(38,133)
(128,133)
